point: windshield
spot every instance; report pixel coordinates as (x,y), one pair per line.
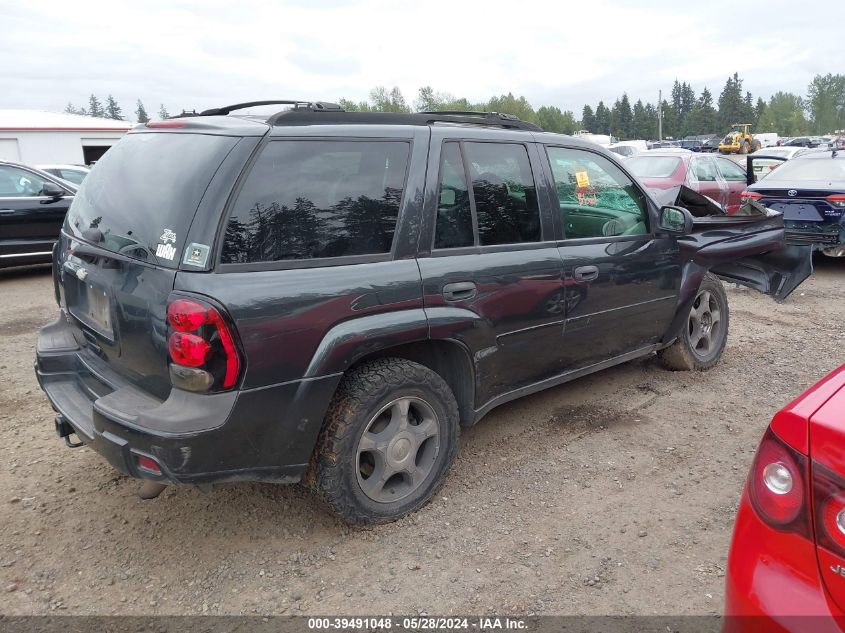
(801,169)
(140,198)
(653,166)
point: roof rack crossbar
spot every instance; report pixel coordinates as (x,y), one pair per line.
(297,104)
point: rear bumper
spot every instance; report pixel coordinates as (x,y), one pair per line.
(817,235)
(264,434)
(772,581)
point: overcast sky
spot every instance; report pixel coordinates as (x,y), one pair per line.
(202,53)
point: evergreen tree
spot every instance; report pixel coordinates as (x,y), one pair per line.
(113,111)
(162,112)
(602,119)
(141,113)
(95,108)
(703,118)
(731,104)
(588,119)
(650,122)
(758,110)
(622,118)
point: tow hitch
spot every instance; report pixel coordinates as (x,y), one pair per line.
(64,431)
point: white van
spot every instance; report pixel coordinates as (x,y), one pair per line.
(767,139)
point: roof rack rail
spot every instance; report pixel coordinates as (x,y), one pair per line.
(305,116)
(303,104)
(486,118)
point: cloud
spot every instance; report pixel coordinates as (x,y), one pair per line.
(198,54)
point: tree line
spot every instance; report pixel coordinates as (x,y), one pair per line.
(685,113)
(111,110)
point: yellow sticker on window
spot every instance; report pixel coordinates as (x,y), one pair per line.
(582,178)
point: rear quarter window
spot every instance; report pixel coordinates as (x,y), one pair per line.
(308,199)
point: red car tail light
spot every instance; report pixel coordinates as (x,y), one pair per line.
(777,485)
(829,504)
(201,339)
(750,195)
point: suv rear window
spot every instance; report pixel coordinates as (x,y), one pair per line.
(143,193)
(653,166)
(308,199)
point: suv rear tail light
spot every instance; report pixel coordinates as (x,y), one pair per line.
(778,485)
(837,200)
(201,339)
(750,195)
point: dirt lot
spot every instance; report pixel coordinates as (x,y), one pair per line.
(614,494)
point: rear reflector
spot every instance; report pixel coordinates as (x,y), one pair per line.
(148,464)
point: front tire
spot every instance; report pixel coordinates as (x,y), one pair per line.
(390,436)
(702,341)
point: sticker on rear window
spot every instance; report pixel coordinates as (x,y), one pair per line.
(196,255)
(166,250)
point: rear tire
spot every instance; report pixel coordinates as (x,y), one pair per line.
(390,436)
(745,147)
(702,341)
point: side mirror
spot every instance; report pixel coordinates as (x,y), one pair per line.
(52,190)
(675,220)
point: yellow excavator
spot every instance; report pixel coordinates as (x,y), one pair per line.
(739,140)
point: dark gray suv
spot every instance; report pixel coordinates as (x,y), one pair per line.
(328,296)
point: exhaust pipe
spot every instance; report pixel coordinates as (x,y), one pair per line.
(151,489)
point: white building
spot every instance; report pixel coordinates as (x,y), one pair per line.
(37,137)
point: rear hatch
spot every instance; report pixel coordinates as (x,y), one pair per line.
(122,243)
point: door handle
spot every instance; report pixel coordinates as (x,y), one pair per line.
(459,291)
(586,273)
(6,211)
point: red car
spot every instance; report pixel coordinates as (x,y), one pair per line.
(787,557)
(716,177)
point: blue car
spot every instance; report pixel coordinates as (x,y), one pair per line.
(810,192)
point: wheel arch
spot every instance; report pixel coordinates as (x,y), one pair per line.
(447,358)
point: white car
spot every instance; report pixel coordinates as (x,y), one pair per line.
(72,173)
(763,167)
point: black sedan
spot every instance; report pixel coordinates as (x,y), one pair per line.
(810,192)
(32,209)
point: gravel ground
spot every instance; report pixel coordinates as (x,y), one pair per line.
(614,494)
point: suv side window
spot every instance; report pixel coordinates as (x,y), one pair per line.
(454,214)
(18,183)
(307,199)
(506,207)
(704,170)
(596,198)
(730,170)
